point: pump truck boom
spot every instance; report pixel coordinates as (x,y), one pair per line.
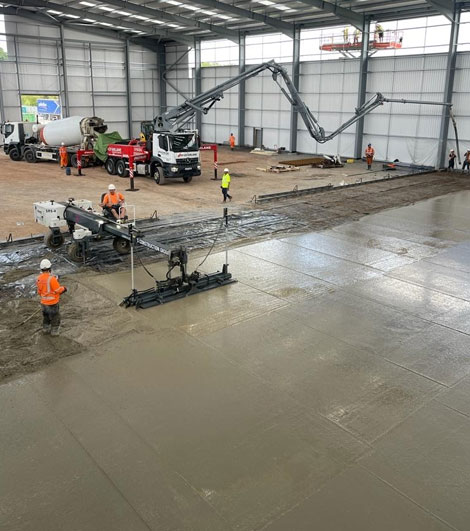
(173,151)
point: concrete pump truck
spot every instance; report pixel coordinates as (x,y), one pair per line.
(172,151)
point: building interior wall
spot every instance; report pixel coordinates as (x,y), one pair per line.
(96,83)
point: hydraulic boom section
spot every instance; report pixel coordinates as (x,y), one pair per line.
(175,119)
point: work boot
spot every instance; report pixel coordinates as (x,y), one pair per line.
(46,329)
(54,331)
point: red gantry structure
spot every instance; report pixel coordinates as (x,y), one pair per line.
(336,43)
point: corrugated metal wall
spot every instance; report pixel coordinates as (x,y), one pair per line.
(408,133)
(96,77)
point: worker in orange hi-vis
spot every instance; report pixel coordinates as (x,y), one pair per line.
(231,141)
(49,290)
(64,157)
(370,152)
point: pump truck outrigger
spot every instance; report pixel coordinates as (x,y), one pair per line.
(171,150)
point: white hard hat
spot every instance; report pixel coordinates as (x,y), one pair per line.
(226,170)
(45,264)
(62,143)
(111,187)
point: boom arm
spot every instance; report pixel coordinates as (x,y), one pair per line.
(177,117)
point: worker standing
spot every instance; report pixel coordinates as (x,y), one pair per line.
(356,36)
(380,32)
(232,141)
(226,185)
(50,291)
(370,152)
(64,158)
(346,35)
(113,202)
(466,162)
(452,157)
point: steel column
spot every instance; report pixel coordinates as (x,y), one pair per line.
(18,81)
(449,88)
(362,89)
(295,80)
(161,65)
(128,89)
(241,89)
(92,83)
(198,82)
(63,64)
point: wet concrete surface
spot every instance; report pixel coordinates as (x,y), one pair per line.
(328,389)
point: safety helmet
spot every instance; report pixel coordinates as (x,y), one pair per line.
(62,143)
(369,145)
(45,264)
(226,170)
(111,187)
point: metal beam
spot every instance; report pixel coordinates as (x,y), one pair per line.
(279,25)
(178,19)
(63,67)
(151,31)
(128,89)
(362,89)
(198,81)
(92,82)
(295,80)
(445,7)
(241,90)
(449,88)
(345,15)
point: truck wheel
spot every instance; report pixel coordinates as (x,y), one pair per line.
(74,160)
(53,240)
(188,179)
(121,245)
(15,154)
(110,166)
(121,168)
(158,175)
(74,252)
(30,156)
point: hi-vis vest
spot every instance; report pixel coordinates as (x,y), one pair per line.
(112,199)
(49,289)
(370,152)
(225,180)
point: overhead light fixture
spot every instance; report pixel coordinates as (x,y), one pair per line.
(106,8)
(266,2)
(207,12)
(125,13)
(140,17)
(156,21)
(283,8)
(88,4)
(192,8)
(173,2)
(52,12)
(225,17)
(89,20)
(105,24)
(71,16)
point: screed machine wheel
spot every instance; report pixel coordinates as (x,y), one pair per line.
(53,240)
(158,175)
(74,251)
(121,245)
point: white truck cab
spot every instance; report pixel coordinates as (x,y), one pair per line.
(175,155)
(15,135)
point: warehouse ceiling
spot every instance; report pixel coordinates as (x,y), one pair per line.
(183,21)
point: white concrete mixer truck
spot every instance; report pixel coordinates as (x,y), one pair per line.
(34,142)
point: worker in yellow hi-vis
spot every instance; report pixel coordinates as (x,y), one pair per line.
(346,35)
(226,185)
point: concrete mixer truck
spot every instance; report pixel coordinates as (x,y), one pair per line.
(33,142)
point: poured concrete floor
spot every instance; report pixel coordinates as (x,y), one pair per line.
(329,389)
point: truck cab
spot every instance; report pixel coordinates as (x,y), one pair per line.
(15,136)
(175,155)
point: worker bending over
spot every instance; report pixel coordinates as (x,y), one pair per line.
(226,185)
(64,157)
(50,291)
(232,141)
(113,202)
(370,152)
